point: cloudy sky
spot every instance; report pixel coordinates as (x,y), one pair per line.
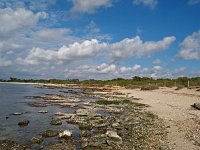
(99,39)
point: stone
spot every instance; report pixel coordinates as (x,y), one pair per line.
(65,134)
(23,122)
(59,114)
(17,113)
(85,112)
(196,105)
(49,133)
(43,111)
(113,136)
(116,124)
(36,140)
(56,122)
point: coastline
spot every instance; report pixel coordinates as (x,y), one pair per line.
(20,83)
(173,108)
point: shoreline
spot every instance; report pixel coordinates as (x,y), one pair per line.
(20,83)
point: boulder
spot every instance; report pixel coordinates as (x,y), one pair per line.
(23,122)
(65,134)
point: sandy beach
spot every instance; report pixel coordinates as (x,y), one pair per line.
(174,107)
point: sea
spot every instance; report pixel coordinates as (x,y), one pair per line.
(14,98)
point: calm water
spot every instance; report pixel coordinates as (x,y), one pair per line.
(13,99)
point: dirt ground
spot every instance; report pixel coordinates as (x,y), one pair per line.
(174,107)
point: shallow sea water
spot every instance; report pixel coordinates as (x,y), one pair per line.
(13,98)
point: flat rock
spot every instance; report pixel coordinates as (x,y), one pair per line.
(56,122)
(85,112)
(36,140)
(43,111)
(17,113)
(49,133)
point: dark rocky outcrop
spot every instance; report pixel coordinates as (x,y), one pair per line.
(23,122)
(196,106)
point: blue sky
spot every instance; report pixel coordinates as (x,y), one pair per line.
(99,39)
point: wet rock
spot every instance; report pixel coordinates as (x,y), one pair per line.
(196,105)
(85,112)
(43,111)
(56,122)
(38,104)
(65,134)
(60,114)
(17,113)
(11,145)
(36,140)
(64,115)
(49,133)
(23,122)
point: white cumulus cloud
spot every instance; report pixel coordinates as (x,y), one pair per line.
(89,6)
(190,47)
(72,52)
(136,47)
(12,20)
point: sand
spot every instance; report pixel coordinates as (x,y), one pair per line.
(174,107)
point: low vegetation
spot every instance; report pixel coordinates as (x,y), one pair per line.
(135,82)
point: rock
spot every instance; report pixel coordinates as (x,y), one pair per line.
(23,122)
(17,113)
(113,137)
(38,104)
(65,134)
(116,124)
(43,111)
(196,105)
(56,122)
(85,112)
(49,133)
(59,114)
(63,115)
(36,140)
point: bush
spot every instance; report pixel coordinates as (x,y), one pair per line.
(149,87)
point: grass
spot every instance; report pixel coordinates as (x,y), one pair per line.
(149,87)
(120,102)
(150,115)
(114,102)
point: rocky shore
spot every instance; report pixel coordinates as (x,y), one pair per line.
(105,121)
